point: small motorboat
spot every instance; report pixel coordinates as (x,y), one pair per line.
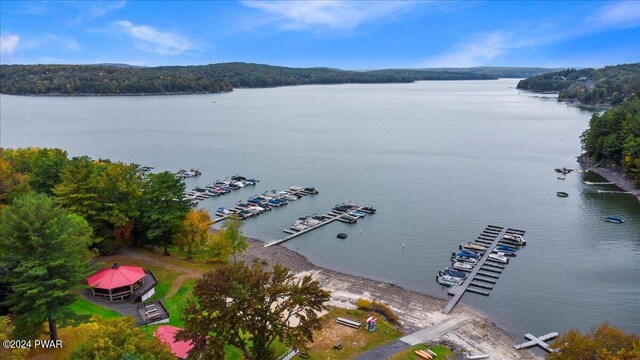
(244,214)
(473,247)
(224,211)
(240,204)
(506,249)
(465,253)
(348,219)
(453,273)
(341,236)
(275,202)
(296,188)
(466,260)
(613,219)
(319,217)
(499,257)
(448,280)
(562,194)
(462,266)
(515,239)
(357,213)
(311,190)
(562,177)
(299,226)
(369,209)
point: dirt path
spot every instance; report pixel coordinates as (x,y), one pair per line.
(141,256)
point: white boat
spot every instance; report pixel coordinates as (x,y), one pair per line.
(515,238)
(299,226)
(499,257)
(447,280)
(296,188)
(462,266)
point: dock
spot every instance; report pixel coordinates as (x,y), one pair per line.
(485,273)
(331,217)
(537,341)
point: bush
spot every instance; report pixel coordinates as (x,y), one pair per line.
(380,308)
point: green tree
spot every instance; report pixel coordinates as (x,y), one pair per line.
(43,165)
(163,208)
(250,308)
(195,232)
(46,248)
(231,233)
(606,342)
(117,339)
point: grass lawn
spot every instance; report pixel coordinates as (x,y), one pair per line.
(354,341)
(442,351)
(85,307)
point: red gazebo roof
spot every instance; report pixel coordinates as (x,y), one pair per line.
(167,333)
(116,276)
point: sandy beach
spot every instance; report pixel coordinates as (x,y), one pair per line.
(416,311)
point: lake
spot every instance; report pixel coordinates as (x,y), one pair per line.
(439,160)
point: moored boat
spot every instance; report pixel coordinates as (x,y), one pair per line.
(562,194)
(448,280)
(613,219)
(499,257)
(473,247)
(462,266)
(453,273)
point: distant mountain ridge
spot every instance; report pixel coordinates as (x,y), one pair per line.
(116,79)
(610,85)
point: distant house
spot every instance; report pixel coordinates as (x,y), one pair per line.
(167,333)
(122,282)
(582,78)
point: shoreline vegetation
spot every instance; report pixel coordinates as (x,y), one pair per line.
(105,79)
(415,310)
(611,173)
(605,87)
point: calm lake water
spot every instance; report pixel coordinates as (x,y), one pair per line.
(440,160)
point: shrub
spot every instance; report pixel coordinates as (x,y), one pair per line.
(380,308)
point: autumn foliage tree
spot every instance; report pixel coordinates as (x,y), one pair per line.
(195,232)
(118,339)
(231,234)
(250,308)
(606,342)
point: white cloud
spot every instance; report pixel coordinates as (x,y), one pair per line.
(8,43)
(152,40)
(59,41)
(622,13)
(95,9)
(329,14)
(481,50)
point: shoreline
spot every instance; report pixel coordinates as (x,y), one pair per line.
(613,174)
(416,310)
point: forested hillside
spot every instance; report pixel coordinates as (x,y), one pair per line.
(114,79)
(610,85)
(614,137)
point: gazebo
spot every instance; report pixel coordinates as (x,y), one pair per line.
(180,349)
(120,282)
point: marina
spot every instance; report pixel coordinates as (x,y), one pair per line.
(490,262)
(259,204)
(336,214)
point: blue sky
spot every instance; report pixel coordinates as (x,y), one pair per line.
(342,34)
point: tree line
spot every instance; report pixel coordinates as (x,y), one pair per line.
(614,137)
(114,80)
(610,85)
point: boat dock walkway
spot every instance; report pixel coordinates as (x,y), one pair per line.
(299,193)
(489,271)
(331,217)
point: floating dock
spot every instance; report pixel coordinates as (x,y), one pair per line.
(484,273)
(331,217)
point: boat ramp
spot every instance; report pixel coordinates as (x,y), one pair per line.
(487,270)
